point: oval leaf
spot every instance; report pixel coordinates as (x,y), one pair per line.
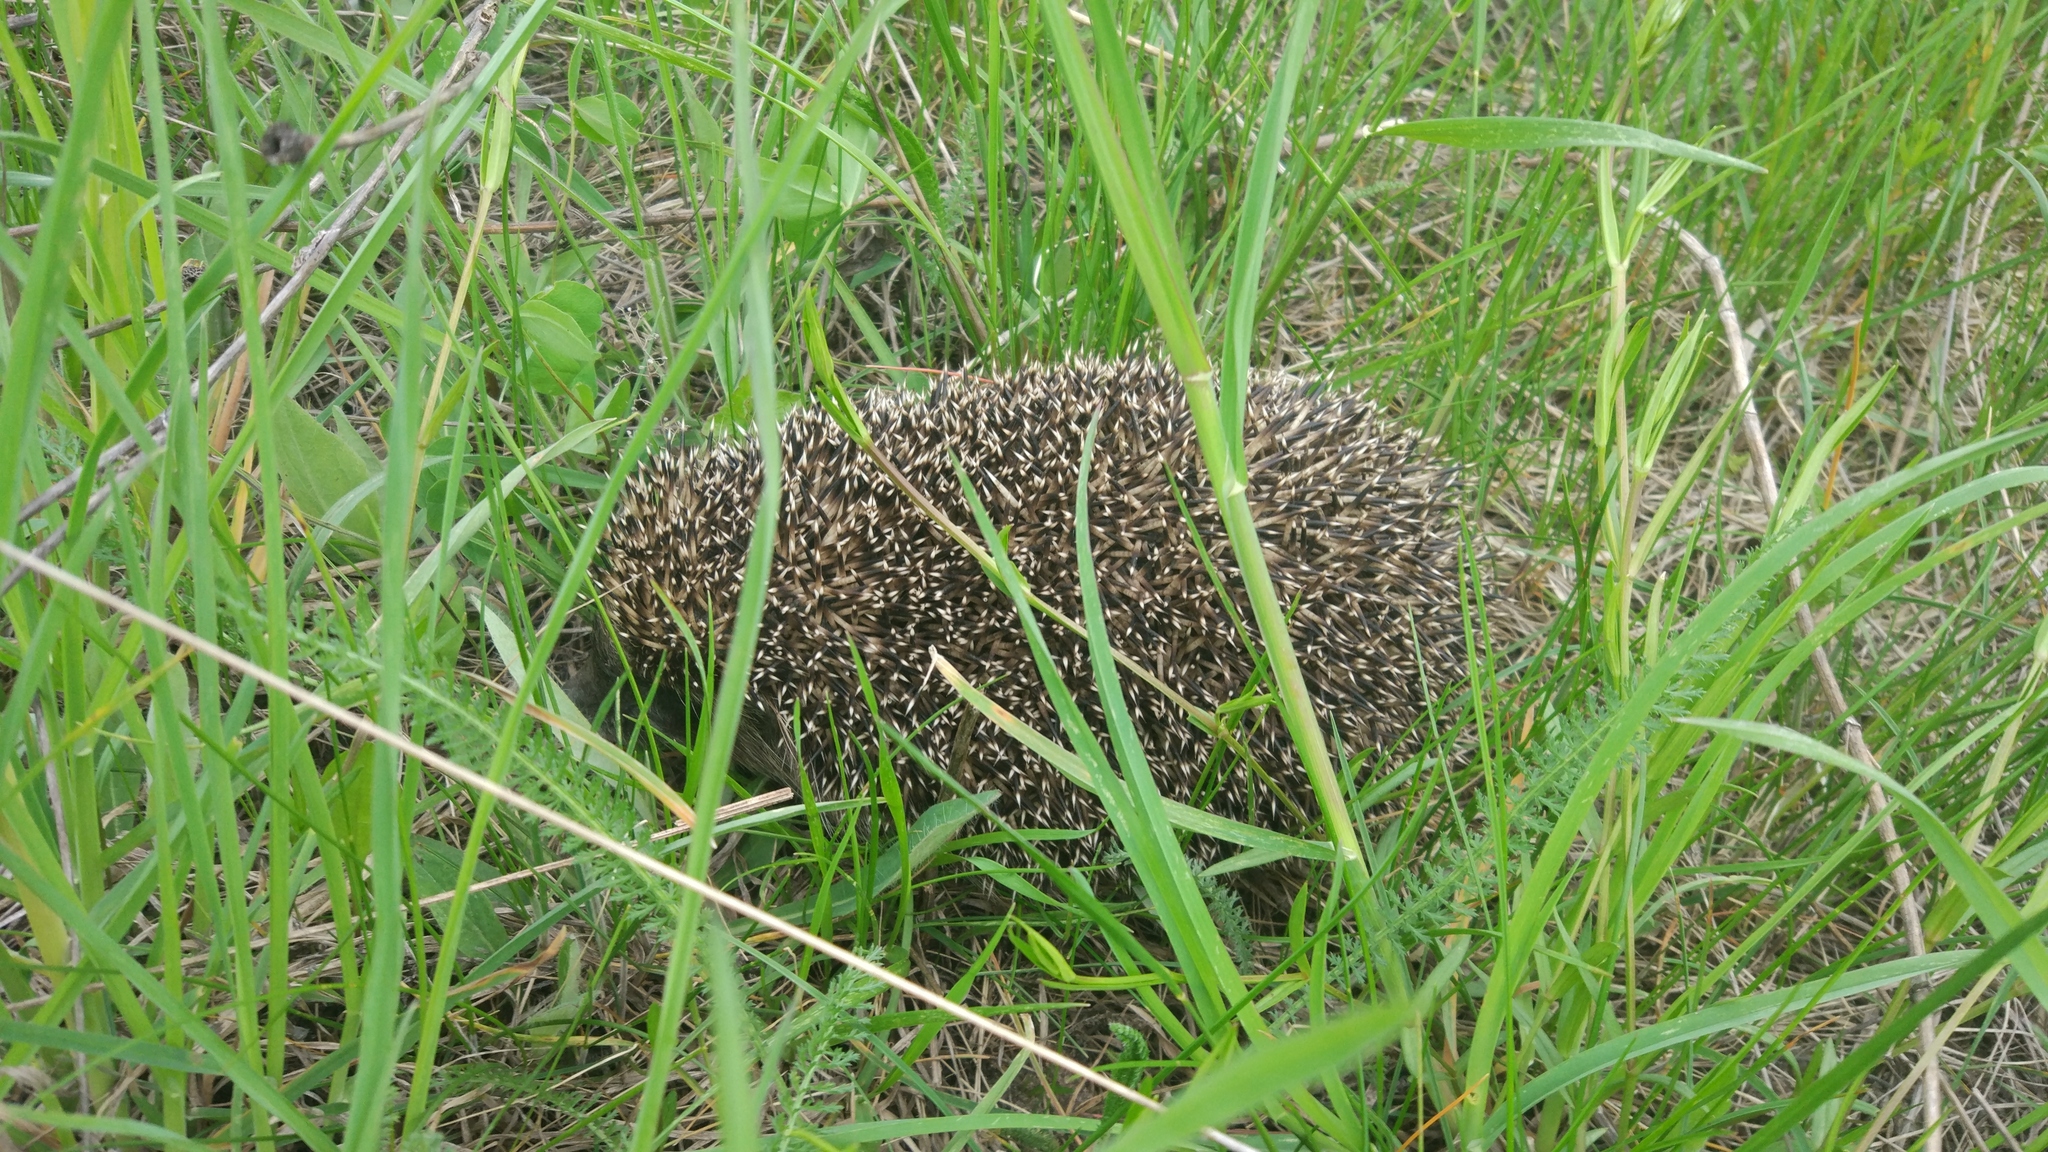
(580,301)
(611,121)
(564,351)
(321,467)
(811,192)
(849,172)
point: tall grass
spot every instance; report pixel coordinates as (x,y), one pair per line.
(1632,888)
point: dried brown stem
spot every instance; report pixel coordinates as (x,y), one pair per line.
(1875,806)
(238,381)
(111,326)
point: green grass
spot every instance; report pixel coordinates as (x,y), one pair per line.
(1575,918)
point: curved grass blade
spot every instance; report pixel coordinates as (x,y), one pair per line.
(1738,600)
(144,1134)
(1729,1014)
(1880,1046)
(1240,328)
(1183,816)
(1264,1073)
(1541,133)
(752,235)
(1133,189)
(1986,898)
(1214,980)
(43,291)
(1171,880)
(105,950)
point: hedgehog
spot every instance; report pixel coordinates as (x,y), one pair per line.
(1358,520)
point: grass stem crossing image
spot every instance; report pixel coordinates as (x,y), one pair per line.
(1024,575)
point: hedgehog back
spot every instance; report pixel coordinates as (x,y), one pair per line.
(1358,523)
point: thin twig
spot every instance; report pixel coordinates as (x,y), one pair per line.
(153,310)
(1875,806)
(284,143)
(111,326)
(1082,19)
(2011,1141)
(546,815)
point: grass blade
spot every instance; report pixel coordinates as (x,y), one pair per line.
(1264,1073)
(1541,133)
(1987,899)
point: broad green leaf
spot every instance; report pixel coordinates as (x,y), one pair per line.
(1540,133)
(435,864)
(346,429)
(1264,1073)
(580,301)
(811,192)
(562,352)
(320,467)
(849,175)
(444,39)
(613,121)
